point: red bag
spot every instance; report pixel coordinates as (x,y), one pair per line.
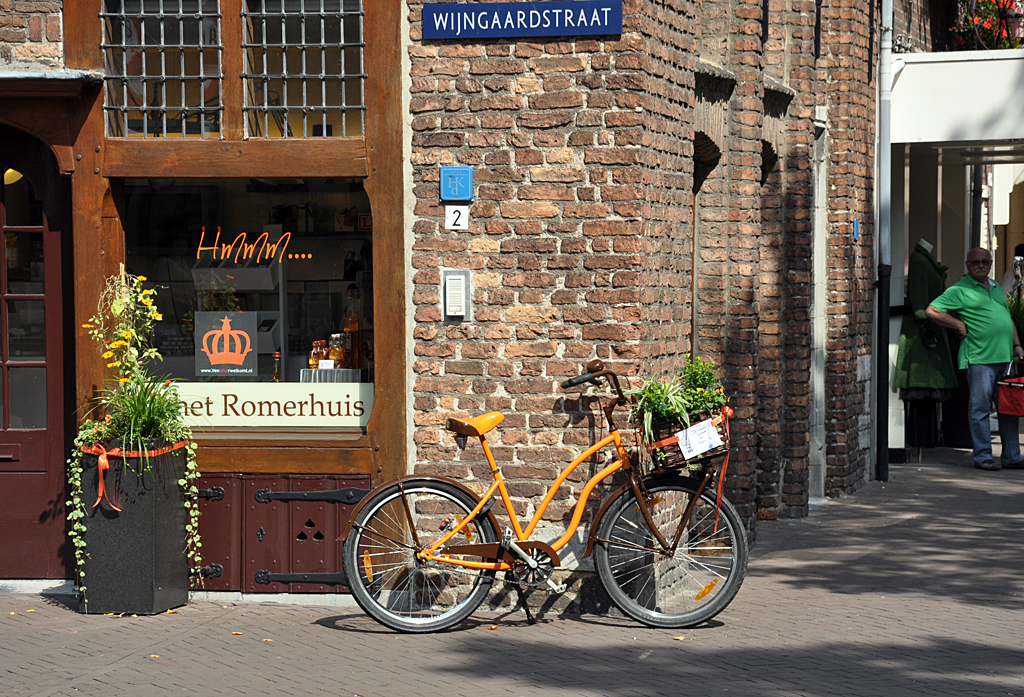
(1011,396)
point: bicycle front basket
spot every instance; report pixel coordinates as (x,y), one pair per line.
(673,441)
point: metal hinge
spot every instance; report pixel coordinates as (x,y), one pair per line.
(215,493)
(209,571)
(347,495)
(263,577)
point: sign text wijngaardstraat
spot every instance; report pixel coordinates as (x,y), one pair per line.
(522,19)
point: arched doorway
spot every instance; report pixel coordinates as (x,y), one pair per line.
(33,372)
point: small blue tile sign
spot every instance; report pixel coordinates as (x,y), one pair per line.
(456,183)
(507,20)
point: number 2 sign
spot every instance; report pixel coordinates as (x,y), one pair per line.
(456,217)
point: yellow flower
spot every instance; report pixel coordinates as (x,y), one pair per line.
(146,301)
(111,365)
(141,278)
(108,354)
(157,316)
(147,291)
(127,334)
(86,326)
(123,380)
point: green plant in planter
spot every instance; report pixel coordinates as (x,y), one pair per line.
(693,390)
(139,409)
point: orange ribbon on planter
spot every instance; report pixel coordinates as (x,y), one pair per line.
(104,463)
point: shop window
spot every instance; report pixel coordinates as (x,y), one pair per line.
(303,68)
(163,68)
(249,274)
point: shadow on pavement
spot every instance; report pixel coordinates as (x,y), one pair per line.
(947,532)
(677,668)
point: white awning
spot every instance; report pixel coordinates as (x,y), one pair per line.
(960,98)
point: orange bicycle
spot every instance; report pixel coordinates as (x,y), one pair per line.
(422,552)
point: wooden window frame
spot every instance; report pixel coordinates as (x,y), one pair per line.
(103,162)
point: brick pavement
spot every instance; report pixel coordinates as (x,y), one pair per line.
(906,588)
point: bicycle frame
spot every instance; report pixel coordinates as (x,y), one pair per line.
(521,534)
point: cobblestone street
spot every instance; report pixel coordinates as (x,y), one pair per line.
(912,587)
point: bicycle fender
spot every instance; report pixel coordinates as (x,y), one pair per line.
(410,478)
(592,537)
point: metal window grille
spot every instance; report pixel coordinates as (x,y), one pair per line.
(303,68)
(163,68)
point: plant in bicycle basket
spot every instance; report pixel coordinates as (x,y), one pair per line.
(691,395)
(142,438)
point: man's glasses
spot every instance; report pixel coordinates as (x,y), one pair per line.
(982,262)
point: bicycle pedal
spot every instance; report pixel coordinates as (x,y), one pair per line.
(556,588)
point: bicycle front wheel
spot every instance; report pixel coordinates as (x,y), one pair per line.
(389,582)
(661,588)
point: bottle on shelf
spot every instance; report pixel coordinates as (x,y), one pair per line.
(277,366)
(314,356)
(352,330)
(336,354)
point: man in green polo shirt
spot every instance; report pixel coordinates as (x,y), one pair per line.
(975,308)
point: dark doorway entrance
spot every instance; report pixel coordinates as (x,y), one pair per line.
(32,380)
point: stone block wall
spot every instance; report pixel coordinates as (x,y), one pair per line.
(31,35)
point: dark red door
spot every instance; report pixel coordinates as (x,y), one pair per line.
(31,387)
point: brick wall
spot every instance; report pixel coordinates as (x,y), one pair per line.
(31,35)
(923,24)
(850,318)
(582,232)
(555,131)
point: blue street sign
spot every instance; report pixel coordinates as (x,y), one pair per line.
(456,183)
(522,19)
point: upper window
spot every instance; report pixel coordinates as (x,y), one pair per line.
(163,65)
(299,67)
(303,68)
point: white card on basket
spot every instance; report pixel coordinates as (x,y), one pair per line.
(699,438)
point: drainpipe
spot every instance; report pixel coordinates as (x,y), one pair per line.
(884,251)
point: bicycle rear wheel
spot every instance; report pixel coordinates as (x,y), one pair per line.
(387,580)
(671,590)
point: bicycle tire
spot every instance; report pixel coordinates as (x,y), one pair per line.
(688,588)
(387,580)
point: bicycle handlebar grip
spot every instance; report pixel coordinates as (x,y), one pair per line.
(578,380)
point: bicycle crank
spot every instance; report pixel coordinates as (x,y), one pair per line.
(535,565)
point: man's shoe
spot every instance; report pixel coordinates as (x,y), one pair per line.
(989,465)
(1014,466)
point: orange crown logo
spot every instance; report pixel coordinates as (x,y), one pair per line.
(227,346)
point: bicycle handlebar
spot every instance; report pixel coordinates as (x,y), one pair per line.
(578,380)
(595,371)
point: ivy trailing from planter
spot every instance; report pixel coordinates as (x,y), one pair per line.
(136,410)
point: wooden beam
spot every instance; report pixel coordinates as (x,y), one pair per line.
(98,246)
(270,157)
(389,421)
(292,460)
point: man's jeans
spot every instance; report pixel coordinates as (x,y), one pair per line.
(982,379)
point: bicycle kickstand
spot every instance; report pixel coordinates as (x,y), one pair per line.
(510,578)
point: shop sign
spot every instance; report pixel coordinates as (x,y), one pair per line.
(287,404)
(508,20)
(225,343)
